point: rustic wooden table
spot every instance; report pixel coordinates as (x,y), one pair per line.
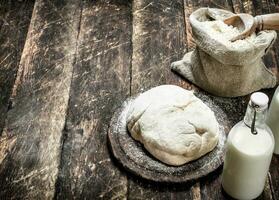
(65,65)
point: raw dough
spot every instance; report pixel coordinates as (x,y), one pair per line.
(172,124)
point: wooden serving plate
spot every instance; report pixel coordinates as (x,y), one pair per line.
(133,156)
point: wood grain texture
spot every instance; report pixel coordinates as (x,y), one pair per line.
(158,39)
(150,190)
(210,187)
(245,6)
(101,82)
(30,143)
(14,22)
(274,177)
(81,59)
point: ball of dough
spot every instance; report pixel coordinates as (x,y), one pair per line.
(173,124)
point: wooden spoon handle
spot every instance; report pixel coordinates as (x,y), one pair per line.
(268,21)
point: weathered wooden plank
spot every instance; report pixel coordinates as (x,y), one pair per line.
(245,6)
(140,189)
(159,38)
(274,177)
(189,7)
(210,186)
(267,193)
(30,143)
(101,81)
(14,22)
(226,4)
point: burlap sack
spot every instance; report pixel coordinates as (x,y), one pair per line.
(220,69)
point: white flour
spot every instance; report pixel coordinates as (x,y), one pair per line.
(222,32)
(212,65)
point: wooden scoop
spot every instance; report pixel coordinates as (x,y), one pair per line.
(248,24)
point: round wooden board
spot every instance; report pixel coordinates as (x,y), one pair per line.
(133,156)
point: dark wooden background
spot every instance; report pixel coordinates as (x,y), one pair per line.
(65,65)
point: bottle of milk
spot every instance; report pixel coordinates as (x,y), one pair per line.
(273,119)
(250,146)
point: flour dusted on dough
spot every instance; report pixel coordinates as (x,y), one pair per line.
(223,33)
(173,124)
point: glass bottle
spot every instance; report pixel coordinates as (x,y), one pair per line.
(250,146)
(273,119)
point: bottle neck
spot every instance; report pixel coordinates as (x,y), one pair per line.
(258,113)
